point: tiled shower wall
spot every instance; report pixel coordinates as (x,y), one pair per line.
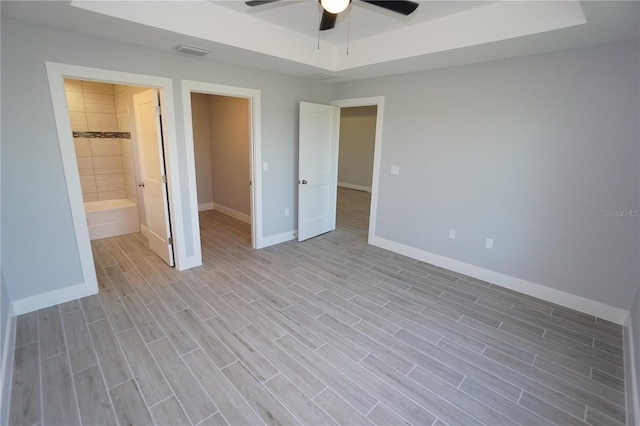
(103,147)
(123,96)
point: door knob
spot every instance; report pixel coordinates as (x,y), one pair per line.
(304,182)
(141,184)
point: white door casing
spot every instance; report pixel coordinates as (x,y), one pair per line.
(152,172)
(317,169)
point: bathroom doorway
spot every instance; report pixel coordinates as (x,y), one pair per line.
(120,156)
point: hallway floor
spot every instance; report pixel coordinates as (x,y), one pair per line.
(328,331)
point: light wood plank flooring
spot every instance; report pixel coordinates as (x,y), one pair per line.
(329,331)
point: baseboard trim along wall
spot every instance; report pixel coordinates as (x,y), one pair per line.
(356,187)
(579,303)
(8,351)
(242,217)
(272,240)
(205,206)
(631,385)
(50,298)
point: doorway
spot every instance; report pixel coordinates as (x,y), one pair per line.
(221,138)
(246,102)
(378,103)
(315,121)
(120,157)
(355,167)
(185,235)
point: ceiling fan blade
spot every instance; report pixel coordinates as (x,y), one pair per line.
(253,3)
(403,7)
(328,20)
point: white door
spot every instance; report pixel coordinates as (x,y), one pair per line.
(152,173)
(317,169)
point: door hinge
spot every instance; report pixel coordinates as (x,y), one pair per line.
(164,178)
(170,241)
(249,183)
(158,112)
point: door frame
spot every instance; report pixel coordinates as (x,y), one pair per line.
(377,150)
(56,73)
(255,149)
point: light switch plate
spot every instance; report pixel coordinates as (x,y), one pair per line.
(489,243)
(265,167)
(395,170)
(452,234)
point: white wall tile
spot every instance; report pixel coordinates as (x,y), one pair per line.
(79,125)
(83,147)
(106,183)
(99,98)
(132,196)
(100,108)
(77,116)
(107,165)
(130,183)
(72,85)
(85,166)
(75,101)
(126,147)
(88,184)
(111,195)
(94,87)
(92,196)
(104,147)
(102,122)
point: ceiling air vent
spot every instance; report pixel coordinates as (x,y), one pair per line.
(323,77)
(191,50)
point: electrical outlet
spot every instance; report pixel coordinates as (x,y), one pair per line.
(489,243)
(265,167)
(452,234)
(286,211)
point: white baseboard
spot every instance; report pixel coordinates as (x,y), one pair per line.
(277,239)
(579,303)
(54,297)
(205,206)
(632,387)
(356,187)
(145,231)
(8,350)
(233,213)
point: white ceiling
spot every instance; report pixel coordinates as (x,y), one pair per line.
(360,20)
(283,36)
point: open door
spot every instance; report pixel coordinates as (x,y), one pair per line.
(152,173)
(317,169)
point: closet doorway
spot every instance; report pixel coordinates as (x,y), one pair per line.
(221,143)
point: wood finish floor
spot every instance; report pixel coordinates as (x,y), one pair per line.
(329,331)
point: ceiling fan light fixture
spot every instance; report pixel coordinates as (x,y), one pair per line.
(334,6)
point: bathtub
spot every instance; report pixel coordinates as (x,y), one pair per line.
(108,218)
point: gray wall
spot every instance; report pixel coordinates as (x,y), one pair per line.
(229,132)
(202,146)
(357,142)
(528,151)
(40,253)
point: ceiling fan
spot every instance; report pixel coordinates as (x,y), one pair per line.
(331,8)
